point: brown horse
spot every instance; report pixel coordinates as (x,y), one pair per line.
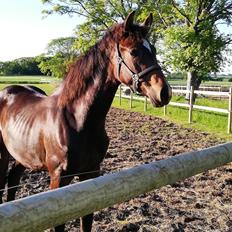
(65,133)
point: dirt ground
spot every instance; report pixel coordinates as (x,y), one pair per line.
(200,203)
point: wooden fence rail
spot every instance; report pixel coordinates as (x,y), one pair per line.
(45,210)
(190,105)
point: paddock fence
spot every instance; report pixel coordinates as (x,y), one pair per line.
(45,210)
(222,88)
(190,105)
(218,88)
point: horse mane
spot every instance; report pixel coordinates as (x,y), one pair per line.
(94,63)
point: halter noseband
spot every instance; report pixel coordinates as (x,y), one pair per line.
(136,77)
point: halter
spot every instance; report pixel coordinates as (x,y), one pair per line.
(136,77)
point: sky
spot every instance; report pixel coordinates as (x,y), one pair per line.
(24,32)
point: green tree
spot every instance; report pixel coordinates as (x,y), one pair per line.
(191,42)
(99,16)
(21,66)
(28,66)
(60,53)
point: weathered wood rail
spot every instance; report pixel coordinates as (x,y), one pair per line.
(45,210)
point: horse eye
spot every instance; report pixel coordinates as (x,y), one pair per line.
(134,52)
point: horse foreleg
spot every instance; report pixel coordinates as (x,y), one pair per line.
(13,180)
(4,161)
(55,178)
(87,221)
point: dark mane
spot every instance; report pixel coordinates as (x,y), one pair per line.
(92,64)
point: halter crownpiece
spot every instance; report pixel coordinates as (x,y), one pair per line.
(136,77)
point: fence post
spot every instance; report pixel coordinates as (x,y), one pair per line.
(165,110)
(191,104)
(145,103)
(120,95)
(229,111)
(131,98)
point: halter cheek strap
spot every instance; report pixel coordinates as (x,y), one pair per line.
(136,77)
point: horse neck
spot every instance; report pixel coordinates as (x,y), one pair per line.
(90,109)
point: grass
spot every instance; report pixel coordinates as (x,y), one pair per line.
(27,79)
(217,103)
(214,123)
(48,88)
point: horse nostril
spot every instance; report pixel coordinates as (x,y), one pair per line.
(165,94)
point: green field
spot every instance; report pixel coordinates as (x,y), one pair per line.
(48,84)
(48,88)
(214,123)
(26,79)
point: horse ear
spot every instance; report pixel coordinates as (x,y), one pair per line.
(129,21)
(148,21)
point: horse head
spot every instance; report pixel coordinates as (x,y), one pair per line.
(135,62)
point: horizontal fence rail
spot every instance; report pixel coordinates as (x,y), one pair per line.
(202,92)
(189,105)
(45,210)
(213,87)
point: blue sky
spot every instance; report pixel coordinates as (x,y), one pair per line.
(24,33)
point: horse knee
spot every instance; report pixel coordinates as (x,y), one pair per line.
(55,177)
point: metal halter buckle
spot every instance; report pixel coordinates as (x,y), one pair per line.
(135,77)
(119,60)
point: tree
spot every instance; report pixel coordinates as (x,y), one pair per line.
(60,53)
(192,41)
(99,16)
(188,30)
(21,66)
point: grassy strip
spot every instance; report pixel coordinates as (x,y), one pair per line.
(214,123)
(202,101)
(48,88)
(25,79)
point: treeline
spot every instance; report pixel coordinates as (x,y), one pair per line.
(61,52)
(21,66)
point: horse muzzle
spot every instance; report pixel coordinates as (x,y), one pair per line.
(159,94)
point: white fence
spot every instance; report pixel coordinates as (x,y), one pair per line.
(189,105)
(45,210)
(207,88)
(213,87)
